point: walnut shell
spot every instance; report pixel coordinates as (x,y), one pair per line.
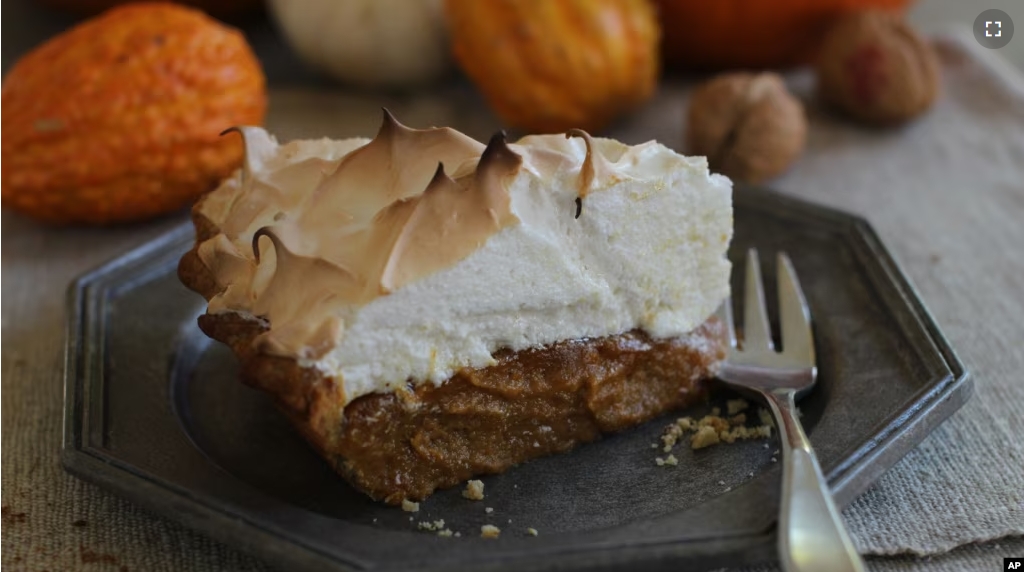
(748,126)
(874,67)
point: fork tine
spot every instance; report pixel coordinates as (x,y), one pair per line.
(794,316)
(724,314)
(756,331)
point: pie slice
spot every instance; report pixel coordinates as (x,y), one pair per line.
(426,309)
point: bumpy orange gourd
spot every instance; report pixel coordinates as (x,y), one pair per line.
(550,66)
(720,34)
(119,118)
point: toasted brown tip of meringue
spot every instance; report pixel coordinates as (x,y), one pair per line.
(589,170)
(498,155)
(388,124)
(569,134)
(267,232)
(440,178)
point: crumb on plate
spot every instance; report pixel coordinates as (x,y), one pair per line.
(437,525)
(734,406)
(409,506)
(704,437)
(474,490)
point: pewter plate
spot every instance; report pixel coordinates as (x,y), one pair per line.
(154,411)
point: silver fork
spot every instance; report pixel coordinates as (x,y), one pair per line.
(812,537)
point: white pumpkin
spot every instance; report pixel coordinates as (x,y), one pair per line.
(369,43)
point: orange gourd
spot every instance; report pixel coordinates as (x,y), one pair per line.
(119,118)
(721,34)
(550,66)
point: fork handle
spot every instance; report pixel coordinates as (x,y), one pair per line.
(812,537)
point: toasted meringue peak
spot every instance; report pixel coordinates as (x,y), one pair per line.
(397,164)
(259,147)
(454,217)
(299,301)
(382,216)
(596,170)
(422,251)
(498,156)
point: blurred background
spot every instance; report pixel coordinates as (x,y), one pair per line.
(937,16)
(310,68)
(27,23)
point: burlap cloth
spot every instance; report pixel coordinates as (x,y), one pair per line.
(946,194)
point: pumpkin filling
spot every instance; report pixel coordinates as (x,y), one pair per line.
(532,403)
(426,308)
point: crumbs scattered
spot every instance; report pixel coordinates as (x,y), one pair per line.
(531,531)
(474,490)
(734,406)
(743,432)
(409,506)
(446,533)
(670,460)
(489,531)
(434,526)
(488,510)
(674,431)
(704,437)
(714,429)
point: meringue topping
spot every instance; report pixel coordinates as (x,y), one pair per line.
(422,251)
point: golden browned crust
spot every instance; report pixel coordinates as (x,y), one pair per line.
(532,403)
(191,270)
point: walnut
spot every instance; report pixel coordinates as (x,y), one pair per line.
(874,67)
(748,126)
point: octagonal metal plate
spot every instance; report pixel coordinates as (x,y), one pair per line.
(154,412)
